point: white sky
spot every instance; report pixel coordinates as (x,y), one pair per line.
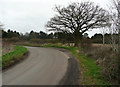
(27,15)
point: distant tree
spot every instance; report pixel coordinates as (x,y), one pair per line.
(86,35)
(26,36)
(97,38)
(16,34)
(33,35)
(50,36)
(77,18)
(59,35)
(4,34)
(43,35)
(10,33)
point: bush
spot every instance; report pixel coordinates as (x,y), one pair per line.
(86,44)
(107,59)
(110,68)
(43,41)
(11,40)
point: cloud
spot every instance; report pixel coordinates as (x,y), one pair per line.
(24,15)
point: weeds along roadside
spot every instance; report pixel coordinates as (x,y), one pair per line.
(13,57)
(106,58)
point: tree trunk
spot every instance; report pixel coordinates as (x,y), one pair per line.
(76,42)
(119,45)
(77,38)
(118,57)
(118,42)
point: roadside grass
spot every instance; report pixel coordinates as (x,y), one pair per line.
(11,57)
(90,72)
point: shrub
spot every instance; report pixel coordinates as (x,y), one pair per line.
(43,41)
(86,44)
(110,68)
(107,59)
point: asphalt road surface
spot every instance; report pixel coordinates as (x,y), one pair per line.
(44,66)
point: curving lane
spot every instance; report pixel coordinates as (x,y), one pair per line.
(44,66)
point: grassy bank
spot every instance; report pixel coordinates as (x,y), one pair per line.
(90,72)
(11,57)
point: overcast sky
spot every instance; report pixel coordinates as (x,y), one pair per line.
(27,15)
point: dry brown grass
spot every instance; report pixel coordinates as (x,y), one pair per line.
(106,58)
(6,47)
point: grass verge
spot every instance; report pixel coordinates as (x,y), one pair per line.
(14,56)
(90,72)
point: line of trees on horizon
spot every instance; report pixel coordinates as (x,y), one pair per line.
(61,36)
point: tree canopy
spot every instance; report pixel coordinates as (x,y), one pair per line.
(77,18)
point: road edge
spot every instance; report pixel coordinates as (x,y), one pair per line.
(72,74)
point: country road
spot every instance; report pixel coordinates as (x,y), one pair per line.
(43,66)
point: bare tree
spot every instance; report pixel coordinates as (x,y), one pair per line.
(78,18)
(116,23)
(118,28)
(114,37)
(119,39)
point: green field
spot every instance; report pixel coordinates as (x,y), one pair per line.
(11,57)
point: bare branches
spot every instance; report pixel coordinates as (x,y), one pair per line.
(78,18)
